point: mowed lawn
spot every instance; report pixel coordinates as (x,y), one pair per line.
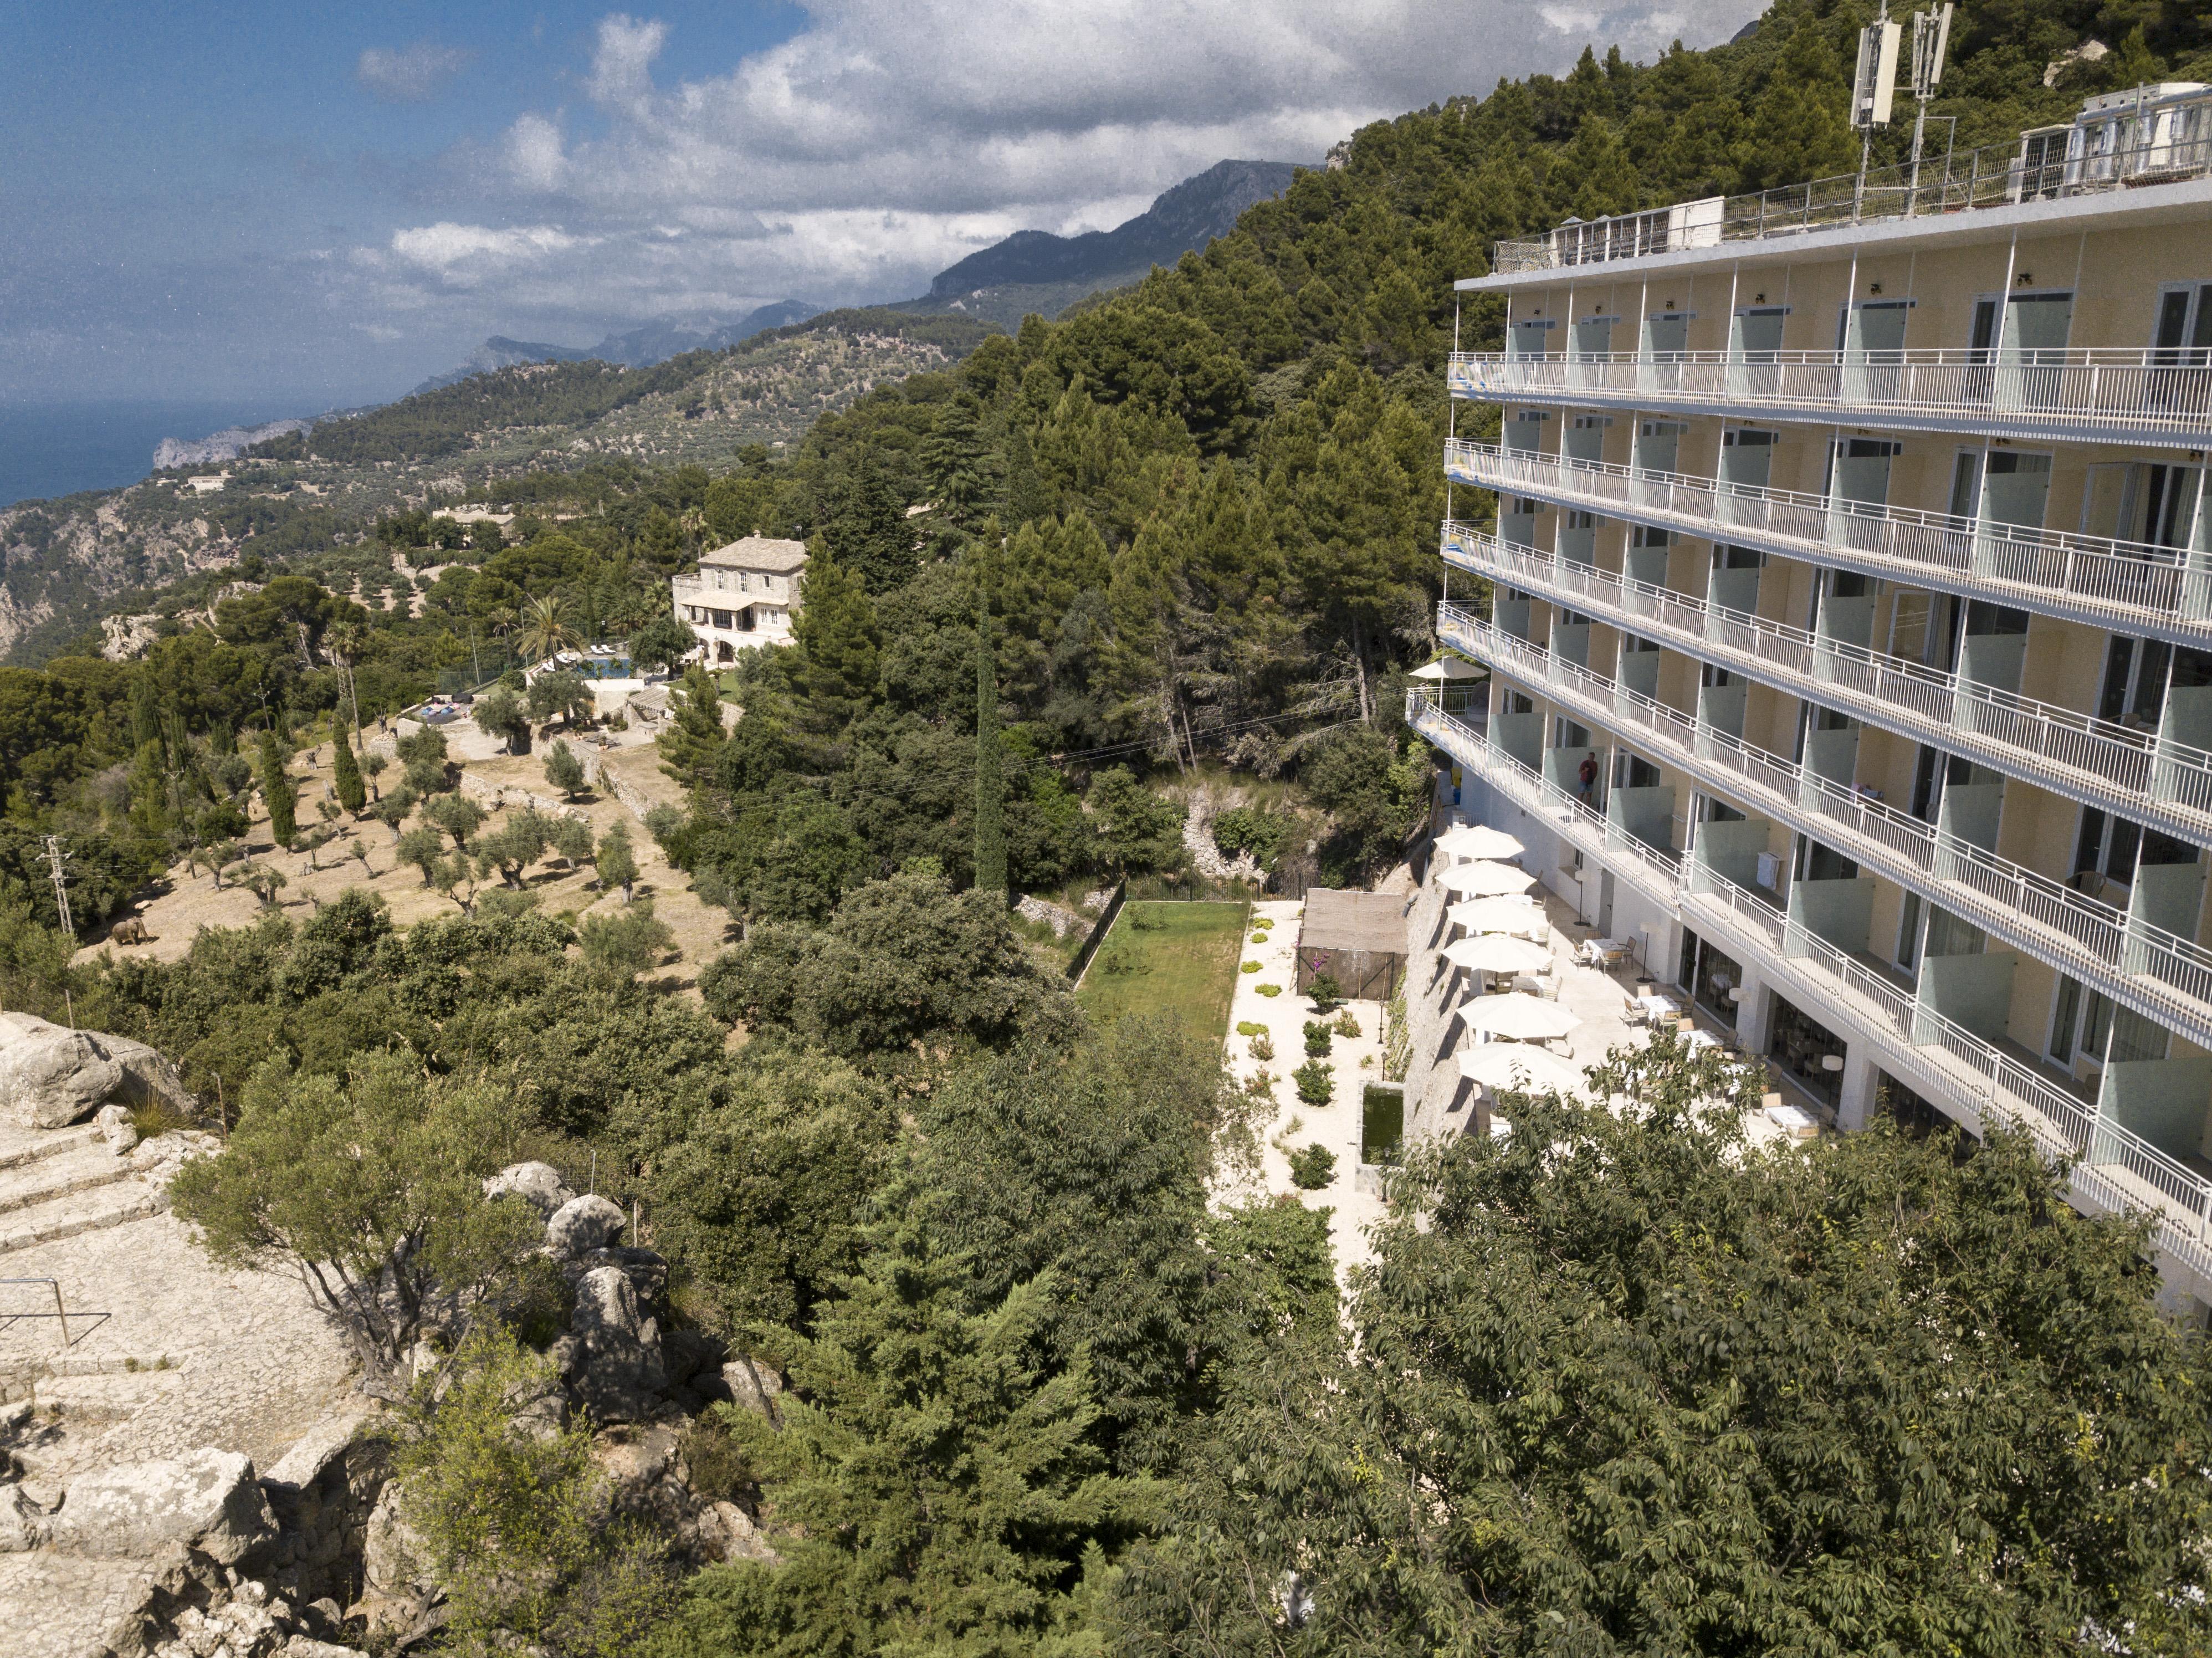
(1168,958)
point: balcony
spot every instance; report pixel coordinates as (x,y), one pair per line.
(2142,396)
(2130,587)
(2005,174)
(2117,1171)
(2158,974)
(2112,766)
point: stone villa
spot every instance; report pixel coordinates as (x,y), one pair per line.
(744,594)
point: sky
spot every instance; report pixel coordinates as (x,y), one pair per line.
(318,205)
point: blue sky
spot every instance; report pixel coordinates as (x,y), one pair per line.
(321,204)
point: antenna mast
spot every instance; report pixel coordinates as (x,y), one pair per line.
(1931,37)
(1874,86)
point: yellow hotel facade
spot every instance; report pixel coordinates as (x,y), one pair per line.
(1858,530)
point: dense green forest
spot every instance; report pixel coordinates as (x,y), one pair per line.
(1619,1383)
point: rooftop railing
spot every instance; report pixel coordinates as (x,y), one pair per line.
(2116,1171)
(2039,741)
(2145,393)
(2159,973)
(2134,586)
(1990,175)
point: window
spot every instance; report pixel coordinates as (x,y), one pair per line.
(2183,336)
(2065,1014)
(2135,680)
(1984,333)
(1818,862)
(1951,935)
(1717,975)
(2081,1024)
(1966,483)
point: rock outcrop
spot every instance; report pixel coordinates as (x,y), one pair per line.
(209,1502)
(618,1368)
(538,1184)
(51,1076)
(583,1225)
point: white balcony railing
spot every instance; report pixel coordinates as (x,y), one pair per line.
(2130,586)
(2115,1170)
(2113,395)
(2125,768)
(2166,977)
(2003,174)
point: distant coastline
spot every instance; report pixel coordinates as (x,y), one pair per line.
(49,449)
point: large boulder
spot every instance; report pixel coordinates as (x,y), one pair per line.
(209,1501)
(582,1224)
(537,1184)
(621,1371)
(51,1076)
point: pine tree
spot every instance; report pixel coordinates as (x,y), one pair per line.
(688,746)
(278,790)
(952,461)
(835,669)
(1024,493)
(353,793)
(865,527)
(943,1494)
(1800,128)
(990,781)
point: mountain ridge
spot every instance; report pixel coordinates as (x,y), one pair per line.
(1181,218)
(637,348)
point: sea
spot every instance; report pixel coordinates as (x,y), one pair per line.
(49,449)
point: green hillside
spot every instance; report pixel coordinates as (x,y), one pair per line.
(1064,1380)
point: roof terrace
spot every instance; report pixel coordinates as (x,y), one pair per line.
(2152,135)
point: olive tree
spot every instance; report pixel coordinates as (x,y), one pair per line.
(370,1188)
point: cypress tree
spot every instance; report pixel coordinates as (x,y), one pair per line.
(277,789)
(990,783)
(353,793)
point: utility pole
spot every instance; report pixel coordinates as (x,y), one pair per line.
(62,905)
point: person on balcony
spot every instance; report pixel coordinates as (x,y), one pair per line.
(1586,777)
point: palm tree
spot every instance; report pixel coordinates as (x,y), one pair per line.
(544,628)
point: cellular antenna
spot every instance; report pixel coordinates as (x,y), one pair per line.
(1931,38)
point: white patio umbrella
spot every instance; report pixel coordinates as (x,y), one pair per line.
(1519,1016)
(1495,952)
(1500,914)
(1478,841)
(1449,667)
(1516,1065)
(1484,879)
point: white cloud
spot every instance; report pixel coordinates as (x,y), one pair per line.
(444,246)
(412,74)
(889,138)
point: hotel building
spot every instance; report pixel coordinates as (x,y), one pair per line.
(1857,530)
